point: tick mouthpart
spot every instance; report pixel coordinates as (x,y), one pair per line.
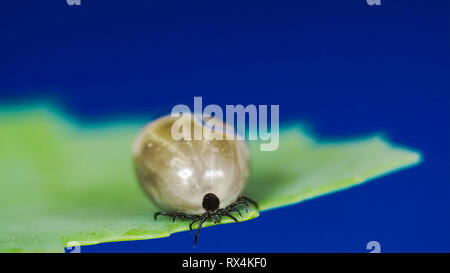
(210,202)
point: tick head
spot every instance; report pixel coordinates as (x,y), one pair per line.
(210,202)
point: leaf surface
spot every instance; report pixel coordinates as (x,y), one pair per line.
(62,182)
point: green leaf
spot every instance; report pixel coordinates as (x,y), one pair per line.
(63,182)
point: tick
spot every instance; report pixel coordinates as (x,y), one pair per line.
(192,179)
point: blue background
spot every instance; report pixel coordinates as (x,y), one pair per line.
(344,66)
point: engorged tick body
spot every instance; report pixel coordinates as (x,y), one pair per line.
(192,179)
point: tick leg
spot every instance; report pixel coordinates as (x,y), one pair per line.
(249,201)
(236,210)
(240,202)
(231,216)
(230,209)
(175,215)
(199,227)
(162,213)
(194,221)
(182,215)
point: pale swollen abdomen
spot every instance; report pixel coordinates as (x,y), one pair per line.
(177,174)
